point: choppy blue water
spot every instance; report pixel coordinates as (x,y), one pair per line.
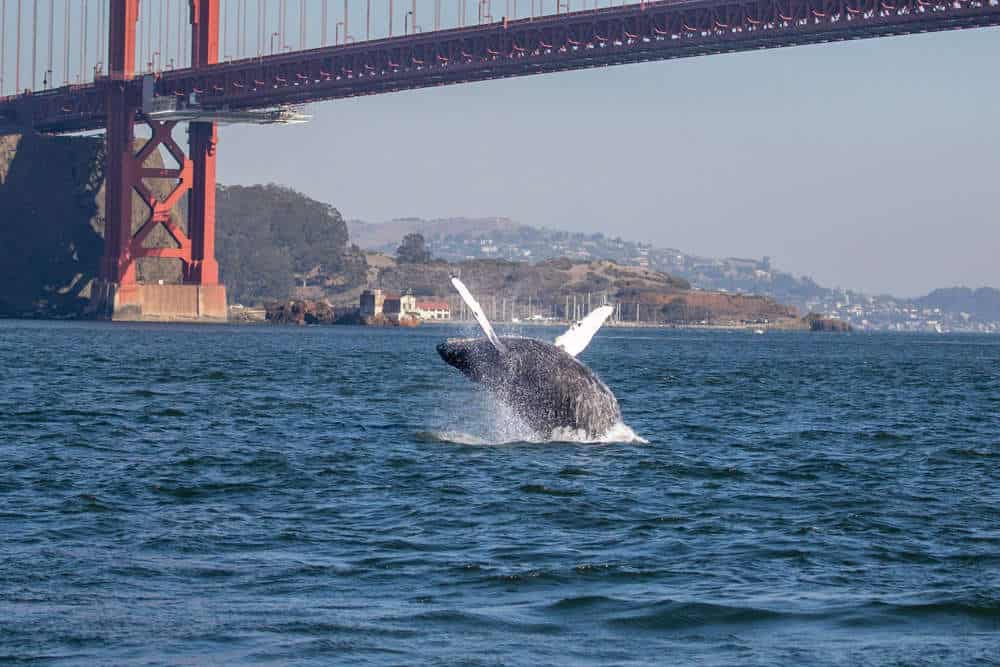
(264,495)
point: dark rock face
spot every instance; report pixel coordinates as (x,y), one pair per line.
(544,385)
(354,317)
(300,312)
(51,223)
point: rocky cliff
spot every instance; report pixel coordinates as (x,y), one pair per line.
(52,224)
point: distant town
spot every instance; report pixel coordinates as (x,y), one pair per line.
(946,310)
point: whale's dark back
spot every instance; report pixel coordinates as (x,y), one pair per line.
(547,387)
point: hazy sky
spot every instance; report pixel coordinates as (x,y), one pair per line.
(872,165)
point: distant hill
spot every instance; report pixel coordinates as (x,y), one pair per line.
(460,239)
(456,239)
(385,237)
(982,304)
(546,288)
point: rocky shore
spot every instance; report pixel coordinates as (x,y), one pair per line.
(300,312)
(829,324)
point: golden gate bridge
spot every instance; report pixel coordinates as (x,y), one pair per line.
(121,63)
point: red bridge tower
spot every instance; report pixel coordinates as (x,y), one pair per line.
(118,295)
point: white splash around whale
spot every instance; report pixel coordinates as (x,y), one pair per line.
(494,423)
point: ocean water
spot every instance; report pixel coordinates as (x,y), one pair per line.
(262,495)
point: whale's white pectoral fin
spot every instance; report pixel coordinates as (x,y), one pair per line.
(578,336)
(480,316)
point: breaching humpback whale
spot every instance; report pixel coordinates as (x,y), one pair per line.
(543,383)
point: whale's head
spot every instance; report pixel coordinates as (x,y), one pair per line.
(476,358)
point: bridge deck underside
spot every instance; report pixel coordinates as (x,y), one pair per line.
(636,33)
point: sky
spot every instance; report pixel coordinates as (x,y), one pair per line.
(870,165)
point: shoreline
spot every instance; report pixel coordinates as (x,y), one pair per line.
(637,325)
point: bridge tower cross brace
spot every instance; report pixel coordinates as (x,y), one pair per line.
(125,171)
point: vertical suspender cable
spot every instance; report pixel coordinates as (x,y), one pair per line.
(141,42)
(225,36)
(180,35)
(186,44)
(101,48)
(83,41)
(66,44)
(243,31)
(52,34)
(302,24)
(149,38)
(183,27)
(259,40)
(368,21)
(166,39)
(239,31)
(3,42)
(347,15)
(437,14)
(17,68)
(236,31)
(3,45)
(159,40)
(323,22)
(97,37)
(34,43)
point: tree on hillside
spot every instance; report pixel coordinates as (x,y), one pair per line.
(267,234)
(413,249)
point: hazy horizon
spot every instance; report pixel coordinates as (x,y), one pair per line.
(866,165)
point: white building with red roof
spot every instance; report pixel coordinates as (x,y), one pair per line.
(433,310)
